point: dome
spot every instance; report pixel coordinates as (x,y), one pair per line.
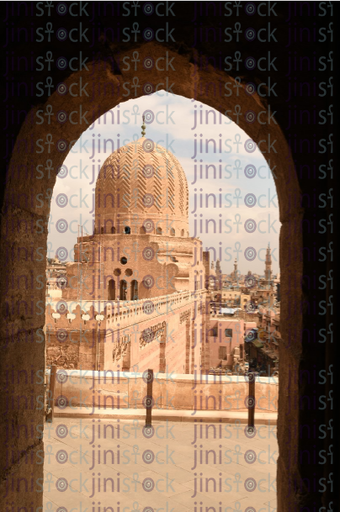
(142,187)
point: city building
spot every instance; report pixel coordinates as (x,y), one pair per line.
(135,296)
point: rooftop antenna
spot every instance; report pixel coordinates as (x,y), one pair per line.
(143,127)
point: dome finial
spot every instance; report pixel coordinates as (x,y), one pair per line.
(143,127)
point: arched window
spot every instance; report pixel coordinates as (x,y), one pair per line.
(172,232)
(142,230)
(127,230)
(107,228)
(182,232)
(113,230)
(111,295)
(123,290)
(158,231)
(101,230)
(134,290)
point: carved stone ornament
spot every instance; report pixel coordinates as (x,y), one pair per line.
(156,332)
(120,349)
(64,359)
(184,316)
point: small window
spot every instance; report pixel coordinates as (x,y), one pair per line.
(127,230)
(228,333)
(158,231)
(123,260)
(172,232)
(113,230)
(222,353)
(142,230)
(101,230)
(182,232)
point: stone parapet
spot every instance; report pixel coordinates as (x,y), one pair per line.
(111,391)
(118,311)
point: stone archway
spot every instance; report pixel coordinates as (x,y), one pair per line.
(39,151)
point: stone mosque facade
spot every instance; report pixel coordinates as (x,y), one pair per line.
(135,296)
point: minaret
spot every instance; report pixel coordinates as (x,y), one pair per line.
(268,269)
(219,274)
(218,267)
(235,270)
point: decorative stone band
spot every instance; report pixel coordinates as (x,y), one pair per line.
(156,332)
(184,316)
(120,350)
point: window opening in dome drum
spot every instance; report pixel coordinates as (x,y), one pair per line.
(123,260)
(134,290)
(111,290)
(123,290)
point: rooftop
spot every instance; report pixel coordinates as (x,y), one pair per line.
(157,470)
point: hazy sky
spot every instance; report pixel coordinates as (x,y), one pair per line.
(173,126)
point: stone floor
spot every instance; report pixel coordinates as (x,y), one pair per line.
(101,465)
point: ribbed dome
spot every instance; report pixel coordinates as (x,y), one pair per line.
(139,183)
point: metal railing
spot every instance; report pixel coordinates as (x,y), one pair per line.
(251,401)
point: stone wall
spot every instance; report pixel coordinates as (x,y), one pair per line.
(170,258)
(164,334)
(122,390)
